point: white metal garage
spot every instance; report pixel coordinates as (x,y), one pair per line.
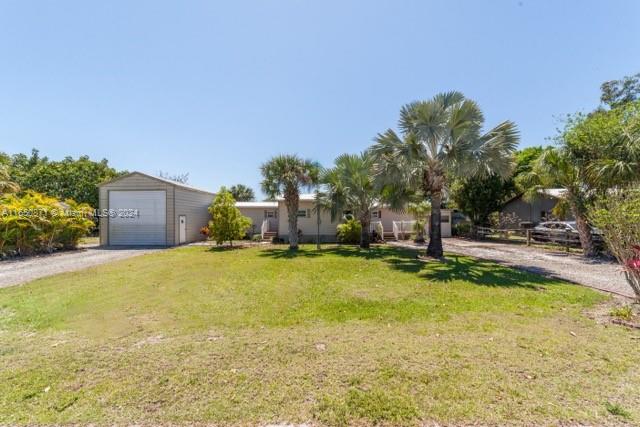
(138,218)
(168,213)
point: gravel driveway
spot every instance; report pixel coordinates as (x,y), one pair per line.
(18,271)
(596,273)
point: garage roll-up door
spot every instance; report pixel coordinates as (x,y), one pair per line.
(148,227)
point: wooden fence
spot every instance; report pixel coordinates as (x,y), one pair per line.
(530,236)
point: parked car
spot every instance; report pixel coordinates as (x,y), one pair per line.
(559,231)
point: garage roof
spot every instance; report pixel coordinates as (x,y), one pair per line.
(256,204)
(157,178)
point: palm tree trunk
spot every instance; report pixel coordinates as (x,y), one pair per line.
(584,231)
(435,236)
(364,233)
(292,209)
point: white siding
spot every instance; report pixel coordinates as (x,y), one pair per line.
(136,182)
(195,206)
(147,226)
(309,224)
(257,215)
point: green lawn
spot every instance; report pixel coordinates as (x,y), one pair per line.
(342,336)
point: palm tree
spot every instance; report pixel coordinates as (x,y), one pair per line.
(420,212)
(556,167)
(6,185)
(441,139)
(242,193)
(286,175)
(351,186)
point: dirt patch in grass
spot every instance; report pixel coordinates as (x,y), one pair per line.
(616,310)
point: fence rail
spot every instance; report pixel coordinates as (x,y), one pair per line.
(566,239)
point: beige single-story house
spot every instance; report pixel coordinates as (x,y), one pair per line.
(262,214)
(271,219)
(535,211)
(137,209)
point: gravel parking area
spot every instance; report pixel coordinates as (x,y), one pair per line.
(595,273)
(23,270)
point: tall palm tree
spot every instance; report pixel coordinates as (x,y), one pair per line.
(441,139)
(242,193)
(556,167)
(286,175)
(6,185)
(351,186)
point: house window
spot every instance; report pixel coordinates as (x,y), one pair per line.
(376,214)
(302,213)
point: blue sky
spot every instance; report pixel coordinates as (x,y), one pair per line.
(215,88)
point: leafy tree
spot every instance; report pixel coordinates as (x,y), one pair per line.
(242,193)
(182,178)
(227,222)
(351,186)
(525,159)
(618,92)
(618,216)
(441,139)
(286,175)
(479,197)
(65,179)
(607,142)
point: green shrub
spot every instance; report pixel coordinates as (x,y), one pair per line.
(227,222)
(617,410)
(33,222)
(349,232)
(256,237)
(624,312)
(461,229)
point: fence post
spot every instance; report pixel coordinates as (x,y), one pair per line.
(566,240)
(528,237)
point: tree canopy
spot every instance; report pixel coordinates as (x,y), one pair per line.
(441,139)
(615,93)
(286,175)
(242,193)
(76,179)
(227,222)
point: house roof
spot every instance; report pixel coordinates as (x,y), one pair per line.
(265,204)
(556,193)
(307,196)
(157,178)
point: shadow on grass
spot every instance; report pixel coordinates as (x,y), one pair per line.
(226,248)
(375,252)
(455,267)
(481,272)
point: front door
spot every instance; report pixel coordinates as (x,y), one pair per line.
(272,218)
(183,228)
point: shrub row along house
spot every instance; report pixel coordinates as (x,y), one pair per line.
(144,210)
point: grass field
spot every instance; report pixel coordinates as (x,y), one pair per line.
(341,336)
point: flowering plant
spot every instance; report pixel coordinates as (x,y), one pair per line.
(634,263)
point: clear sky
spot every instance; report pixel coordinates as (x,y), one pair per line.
(216,88)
